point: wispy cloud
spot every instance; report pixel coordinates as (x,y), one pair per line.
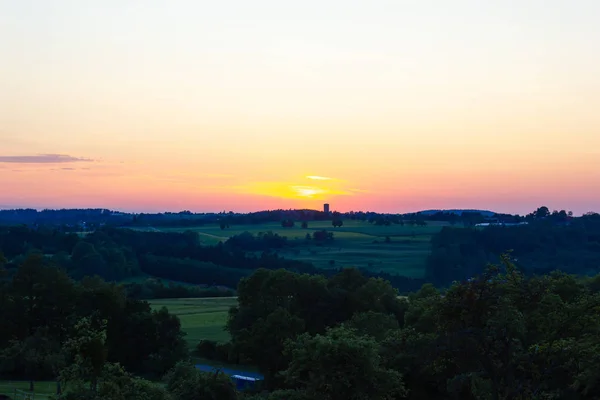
(318,178)
(43,159)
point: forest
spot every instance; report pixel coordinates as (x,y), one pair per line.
(499,335)
(547,243)
(50,321)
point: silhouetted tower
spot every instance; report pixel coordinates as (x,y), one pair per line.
(326,208)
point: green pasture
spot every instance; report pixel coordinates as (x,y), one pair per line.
(141,278)
(201,319)
(42,390)
(213,231)
(356,244)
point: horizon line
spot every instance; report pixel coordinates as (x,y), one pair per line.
(3,208)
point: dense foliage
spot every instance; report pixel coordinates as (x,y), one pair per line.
(546,243)
(501,335)
(40,310)
(277,305)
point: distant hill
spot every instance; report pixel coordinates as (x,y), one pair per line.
(485,213)
(77,220)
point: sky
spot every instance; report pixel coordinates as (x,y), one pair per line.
(390,106)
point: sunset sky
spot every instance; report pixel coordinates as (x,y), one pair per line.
(392,106)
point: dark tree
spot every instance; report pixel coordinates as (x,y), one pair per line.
(287,223)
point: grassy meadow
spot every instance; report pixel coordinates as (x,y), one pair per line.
(356,244)
(42,390)
(202,318)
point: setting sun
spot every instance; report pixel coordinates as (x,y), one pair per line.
(296,190)
(308,191)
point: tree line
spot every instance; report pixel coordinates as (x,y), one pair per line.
(77,220)
(548,242)
(44,313)
(501,335)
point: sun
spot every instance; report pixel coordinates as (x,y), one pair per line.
(292,190)
(307,191)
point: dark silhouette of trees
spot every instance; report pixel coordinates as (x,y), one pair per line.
(322,236)
(337,222)
(41,320)
(288,223)
(500,334)
(541,212)
(290,304)
(539,247)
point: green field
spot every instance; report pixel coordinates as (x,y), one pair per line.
(203,318)
(43,390)
(356,244)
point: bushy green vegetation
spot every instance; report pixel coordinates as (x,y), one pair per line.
(43,312)
(184,382)
(500,335)
(547,243)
